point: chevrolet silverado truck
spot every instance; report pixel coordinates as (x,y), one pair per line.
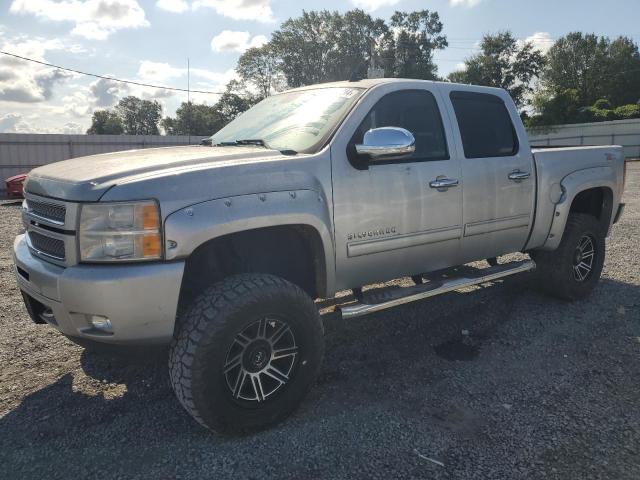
(220,249)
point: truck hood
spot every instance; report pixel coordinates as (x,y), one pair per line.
(86,179)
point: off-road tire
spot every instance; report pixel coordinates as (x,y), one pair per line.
(206,334)
(555,269)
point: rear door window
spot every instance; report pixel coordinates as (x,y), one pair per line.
(485,125)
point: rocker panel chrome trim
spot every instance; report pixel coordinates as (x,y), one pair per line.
(360,309)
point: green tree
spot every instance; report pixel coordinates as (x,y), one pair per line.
(360,41)
(503,62)
(304,45)
(601,77)
(554,109)
(105,122)
(596,67)
(260,67)
(324,46)
(194,119)
(577,62)
(234,101)
(139,117)
(623,80)
(626,112)
(417,36)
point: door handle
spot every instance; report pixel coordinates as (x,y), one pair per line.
(443,183)
(518,175)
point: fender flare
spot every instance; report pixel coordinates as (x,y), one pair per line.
(572,185)
(188,228)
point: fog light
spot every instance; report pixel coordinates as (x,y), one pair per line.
(101,323)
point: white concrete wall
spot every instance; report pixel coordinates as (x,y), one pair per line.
(20,152)
(618,132)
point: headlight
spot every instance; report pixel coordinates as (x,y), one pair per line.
(120,232)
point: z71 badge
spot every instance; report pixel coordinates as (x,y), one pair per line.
(379,232)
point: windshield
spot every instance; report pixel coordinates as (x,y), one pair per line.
(298,121)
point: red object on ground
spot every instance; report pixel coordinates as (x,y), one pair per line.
(14,185)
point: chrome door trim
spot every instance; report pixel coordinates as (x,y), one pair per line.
(496,225)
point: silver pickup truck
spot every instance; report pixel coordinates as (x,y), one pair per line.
(220,250)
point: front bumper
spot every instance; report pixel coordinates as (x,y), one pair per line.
(140,300)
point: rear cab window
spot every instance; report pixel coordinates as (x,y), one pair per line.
(485,125)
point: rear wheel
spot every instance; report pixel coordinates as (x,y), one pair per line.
(574,268)
(246,353)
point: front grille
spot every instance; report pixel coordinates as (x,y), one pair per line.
(48,211)
(47,245)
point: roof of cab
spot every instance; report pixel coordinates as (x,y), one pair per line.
(365,83)
(368,83)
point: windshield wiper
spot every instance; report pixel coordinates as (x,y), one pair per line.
(253,141)
(248,141)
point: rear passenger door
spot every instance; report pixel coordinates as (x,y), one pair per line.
(497,173)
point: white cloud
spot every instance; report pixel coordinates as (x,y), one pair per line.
(218,78)
(464,3)
(93,19)
(541,41)
(175,6)
(12,123)
(106,93)
(72,128)
(17,123)
(259,10)
(372,5)
(25,82)
(158,72)
(201,79)
(232,41)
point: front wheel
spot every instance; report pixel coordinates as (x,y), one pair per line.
(574,268)
(247,351)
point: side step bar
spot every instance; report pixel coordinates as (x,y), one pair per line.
(431,289)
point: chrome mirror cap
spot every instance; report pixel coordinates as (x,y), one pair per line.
(386,143)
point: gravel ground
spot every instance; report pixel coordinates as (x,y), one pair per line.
(539,389)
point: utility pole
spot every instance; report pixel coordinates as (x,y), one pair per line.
(189,99)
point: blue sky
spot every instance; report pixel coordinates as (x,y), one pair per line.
(150,40)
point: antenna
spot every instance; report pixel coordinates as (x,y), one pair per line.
(373,71)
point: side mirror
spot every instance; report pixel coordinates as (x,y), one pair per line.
(387,143)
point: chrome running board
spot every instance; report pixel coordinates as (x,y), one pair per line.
(401,296)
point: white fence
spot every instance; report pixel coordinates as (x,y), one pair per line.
(618,132)
(20,152)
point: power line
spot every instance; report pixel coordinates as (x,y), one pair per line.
(131,82)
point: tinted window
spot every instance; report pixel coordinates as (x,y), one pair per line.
(416,111)
(485,125)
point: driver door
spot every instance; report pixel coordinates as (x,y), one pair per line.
(391,218)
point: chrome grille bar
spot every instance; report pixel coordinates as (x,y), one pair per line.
(51,247)
(47,211)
